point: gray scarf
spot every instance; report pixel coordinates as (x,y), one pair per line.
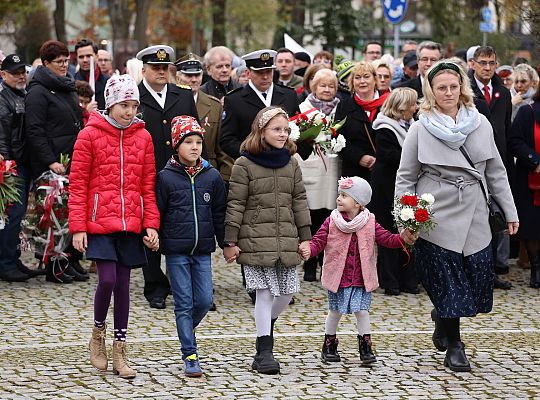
(114,123)
(383,121)
(451,133)
(325,107)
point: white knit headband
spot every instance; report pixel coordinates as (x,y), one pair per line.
(269,114)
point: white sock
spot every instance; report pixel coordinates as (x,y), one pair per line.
(263,311)
(332,321)
(362,322)
(279,304)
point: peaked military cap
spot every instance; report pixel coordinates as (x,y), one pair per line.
(260,59)
(159,54)
(189,64)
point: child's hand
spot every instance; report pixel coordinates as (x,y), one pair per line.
(92,106)
(151,240)
(80,241)
(231,254)
(304,250)
(409,236)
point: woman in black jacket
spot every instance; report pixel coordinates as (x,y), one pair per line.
(360,109)
(53,119)
(53,115)
(391,127)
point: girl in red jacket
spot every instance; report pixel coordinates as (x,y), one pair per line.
(348,237)
(112,200)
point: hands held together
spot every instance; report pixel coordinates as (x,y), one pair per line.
(151,240)
(409,236)
(304,250)
(231,253)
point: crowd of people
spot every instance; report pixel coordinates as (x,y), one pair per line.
(172,156)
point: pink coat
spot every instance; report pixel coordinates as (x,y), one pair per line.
(349,262)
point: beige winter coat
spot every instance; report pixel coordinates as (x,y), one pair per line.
(267,213)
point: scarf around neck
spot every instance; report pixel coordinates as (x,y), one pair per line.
(384,121)
(371,106)
(350,226)
(190,170)
(451,133)
(275,158)
(326,107)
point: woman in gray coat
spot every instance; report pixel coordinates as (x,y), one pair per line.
(454,260)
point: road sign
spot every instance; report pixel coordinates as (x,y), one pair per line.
(486,27)
(394,10)
(486,14)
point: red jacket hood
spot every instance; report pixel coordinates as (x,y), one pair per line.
(97,120)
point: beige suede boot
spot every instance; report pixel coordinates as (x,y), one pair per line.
(98,352)
(120,366)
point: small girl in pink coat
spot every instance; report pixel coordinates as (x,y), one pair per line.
(349,272)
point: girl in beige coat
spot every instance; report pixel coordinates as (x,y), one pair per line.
(454,260)
(267,216)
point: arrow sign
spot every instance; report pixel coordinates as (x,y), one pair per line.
(394,10)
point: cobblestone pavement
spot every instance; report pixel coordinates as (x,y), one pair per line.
(45,328)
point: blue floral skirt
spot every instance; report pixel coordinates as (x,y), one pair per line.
(458,286)
(349,300)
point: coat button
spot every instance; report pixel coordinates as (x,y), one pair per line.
(168,143)
(164,121)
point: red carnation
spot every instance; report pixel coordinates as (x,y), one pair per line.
(421,215)
(407,200)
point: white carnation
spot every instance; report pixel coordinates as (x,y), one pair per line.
(318,118)
(406,214)
(338,143)
(295,131)
(428,198)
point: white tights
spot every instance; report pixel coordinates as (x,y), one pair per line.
(267,308)
(362,322)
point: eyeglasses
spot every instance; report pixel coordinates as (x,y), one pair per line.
(483,64)
(21,72)
(428,59)
(280,130)
(62,61)
(444,89)
(522,81)
(373,52)
(381,76)
(104,59)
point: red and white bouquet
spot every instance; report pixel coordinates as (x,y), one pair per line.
(314,126)
(414,212)
(8,189)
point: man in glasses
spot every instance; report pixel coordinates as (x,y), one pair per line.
(488,85)
(161,101)
(372,51)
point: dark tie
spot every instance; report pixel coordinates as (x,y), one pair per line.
(264,95)
(160,95)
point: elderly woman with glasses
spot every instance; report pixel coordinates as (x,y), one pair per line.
(450,153)
(524,87)
(53,119)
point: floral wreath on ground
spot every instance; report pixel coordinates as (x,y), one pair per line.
(8,189)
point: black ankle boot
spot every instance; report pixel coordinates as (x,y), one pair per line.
(535,273)
(263,361)
(364,347)
(456,359)
(55,271)
(440,341)
(329,349)
(310,270)
(76,264)
(77,277)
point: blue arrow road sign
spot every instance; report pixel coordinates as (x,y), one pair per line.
(394,10)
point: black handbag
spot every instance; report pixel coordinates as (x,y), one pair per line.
(497,220)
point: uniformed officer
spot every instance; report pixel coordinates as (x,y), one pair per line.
(190,72)
(242,105)
(160,102)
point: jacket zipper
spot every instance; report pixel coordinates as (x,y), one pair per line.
(94,211)
(277,212)
(142,208)
(196,220)
(122,180)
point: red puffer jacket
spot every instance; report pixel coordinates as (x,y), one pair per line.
(112,179)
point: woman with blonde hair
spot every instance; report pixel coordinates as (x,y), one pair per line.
(524,87)
(385,74)
(391,126)
(360,110)
(450,152)
(320,176)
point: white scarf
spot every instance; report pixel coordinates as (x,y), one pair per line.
(451,133)
(383,121)
(350,226)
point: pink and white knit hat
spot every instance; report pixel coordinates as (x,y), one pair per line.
(120,88)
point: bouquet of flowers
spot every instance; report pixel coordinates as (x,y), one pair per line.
(414,212)
(48,221)
(314,126)
(8,188)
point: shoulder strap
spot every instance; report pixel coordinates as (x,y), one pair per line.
(464,152)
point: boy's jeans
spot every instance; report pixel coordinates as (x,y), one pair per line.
(191,282)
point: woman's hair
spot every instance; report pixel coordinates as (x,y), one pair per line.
(525,69)
(324,74)
(51,50)
(400,99)
(381,63)
(255,143)
(134,69)
(309,74)
(324,54)
(361,68)
(444,67)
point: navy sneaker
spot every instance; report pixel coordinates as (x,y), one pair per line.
(192,366)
